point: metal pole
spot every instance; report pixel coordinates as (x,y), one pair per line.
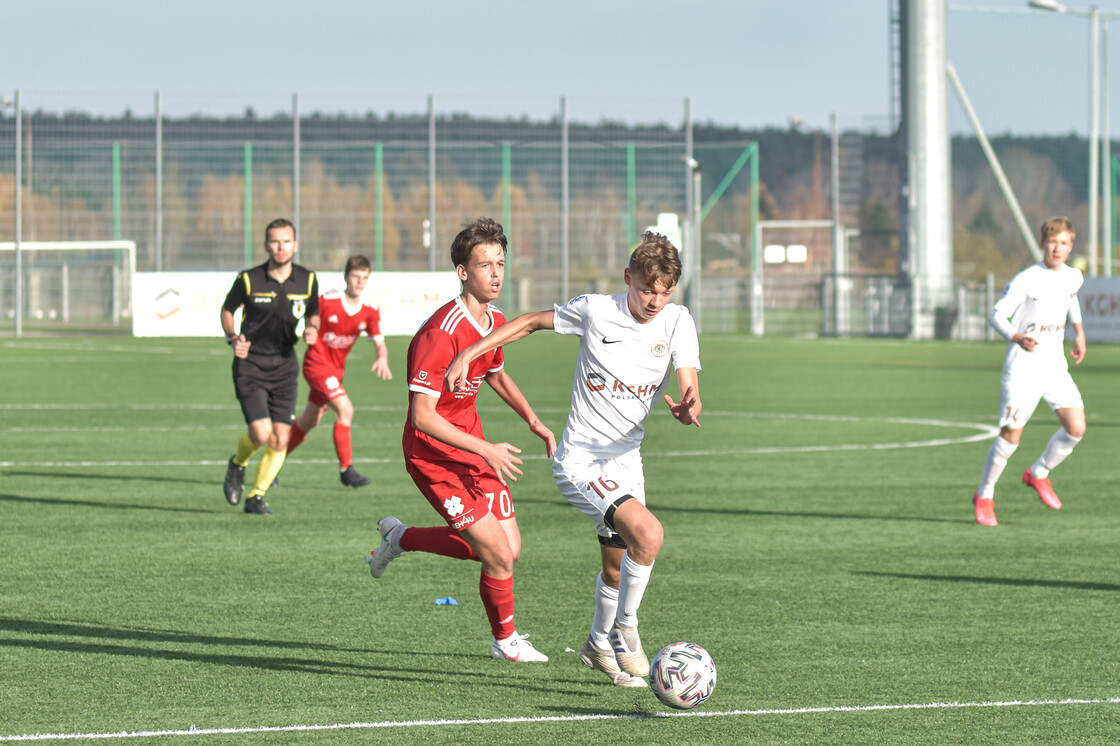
(993,162)
(697,264)
(248,198)
(116,191)
(1106,158)
(839,255)
(1094,136)
(758,325)
(19,216)
(565,199)
(379,206)
(507,214)
(159,182)
(296,156)
(689,158)
(431,183)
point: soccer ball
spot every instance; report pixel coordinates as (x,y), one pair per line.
(682,675)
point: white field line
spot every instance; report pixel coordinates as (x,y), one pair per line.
(985,432)
(196,731)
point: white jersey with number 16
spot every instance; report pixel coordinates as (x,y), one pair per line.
(622,370)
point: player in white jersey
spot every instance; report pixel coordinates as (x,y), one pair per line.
(1032,315)
(629,346)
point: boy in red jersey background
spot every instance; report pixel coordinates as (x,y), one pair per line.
(343,317)
(461,474)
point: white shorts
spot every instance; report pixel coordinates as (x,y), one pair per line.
(1018,398)
(594,486)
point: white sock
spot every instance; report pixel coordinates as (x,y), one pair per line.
(632,582)
(998,455)
(606,607)
(1061,445)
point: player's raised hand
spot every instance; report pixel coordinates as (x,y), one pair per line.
(502,460)
(542,432)
(456,375)
(687,410)
(241,346)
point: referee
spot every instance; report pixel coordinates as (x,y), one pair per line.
(274,297)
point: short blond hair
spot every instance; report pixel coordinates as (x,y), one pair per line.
(1056,225)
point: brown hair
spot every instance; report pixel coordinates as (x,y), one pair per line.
(279,223)
(1057,225)
(655,258)
(481,231)
(358,262)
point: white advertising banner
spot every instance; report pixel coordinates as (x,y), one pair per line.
(1100,309)
(188,304)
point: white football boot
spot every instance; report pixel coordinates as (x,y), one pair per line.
(602,659)
(628,651)
(516,648)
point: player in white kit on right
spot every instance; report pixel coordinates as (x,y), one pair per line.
(1032,315)
(629,345)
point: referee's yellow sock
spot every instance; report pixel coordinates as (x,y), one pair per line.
(267,470)
(245,450)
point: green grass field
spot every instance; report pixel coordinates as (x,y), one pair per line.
(820,544)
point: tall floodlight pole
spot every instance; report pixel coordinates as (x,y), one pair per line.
(929,203)
(1094,16)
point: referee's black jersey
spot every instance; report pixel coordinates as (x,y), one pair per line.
(272,309)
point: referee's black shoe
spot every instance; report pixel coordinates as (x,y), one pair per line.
(235,482)
(257,505)
(351,478)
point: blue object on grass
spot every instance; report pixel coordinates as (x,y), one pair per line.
(448,601)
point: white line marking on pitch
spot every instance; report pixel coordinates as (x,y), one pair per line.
(986,432)
(195,731)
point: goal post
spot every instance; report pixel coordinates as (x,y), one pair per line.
(68,282)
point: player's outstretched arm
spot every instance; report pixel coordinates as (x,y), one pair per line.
(504,386)
(687,410)
(457,372)
(501,457)
(381,364)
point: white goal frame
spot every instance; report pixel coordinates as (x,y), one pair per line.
(121,299)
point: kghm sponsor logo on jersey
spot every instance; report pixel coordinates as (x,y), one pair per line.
(1045,328)
(618,390)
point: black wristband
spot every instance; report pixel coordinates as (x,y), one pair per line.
(230,339)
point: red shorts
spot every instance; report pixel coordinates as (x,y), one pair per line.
(326,384)
(459,493)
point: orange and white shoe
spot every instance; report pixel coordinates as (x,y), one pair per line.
(985,510)
(1043,488)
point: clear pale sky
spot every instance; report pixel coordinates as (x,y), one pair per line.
(748,63)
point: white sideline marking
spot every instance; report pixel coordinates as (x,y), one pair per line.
(193,731)
(986,432)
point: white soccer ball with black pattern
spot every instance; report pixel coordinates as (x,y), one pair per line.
(682,675)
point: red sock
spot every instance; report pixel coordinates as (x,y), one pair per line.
(297,436)
(497,597)
(442,540)
(343,446)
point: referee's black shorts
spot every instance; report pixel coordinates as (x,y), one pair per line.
(267,387)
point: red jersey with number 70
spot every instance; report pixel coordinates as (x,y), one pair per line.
(448,331)
(339,329)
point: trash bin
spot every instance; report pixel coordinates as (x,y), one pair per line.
(944,318)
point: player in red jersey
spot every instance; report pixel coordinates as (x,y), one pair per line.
(343,318)
(461,474)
